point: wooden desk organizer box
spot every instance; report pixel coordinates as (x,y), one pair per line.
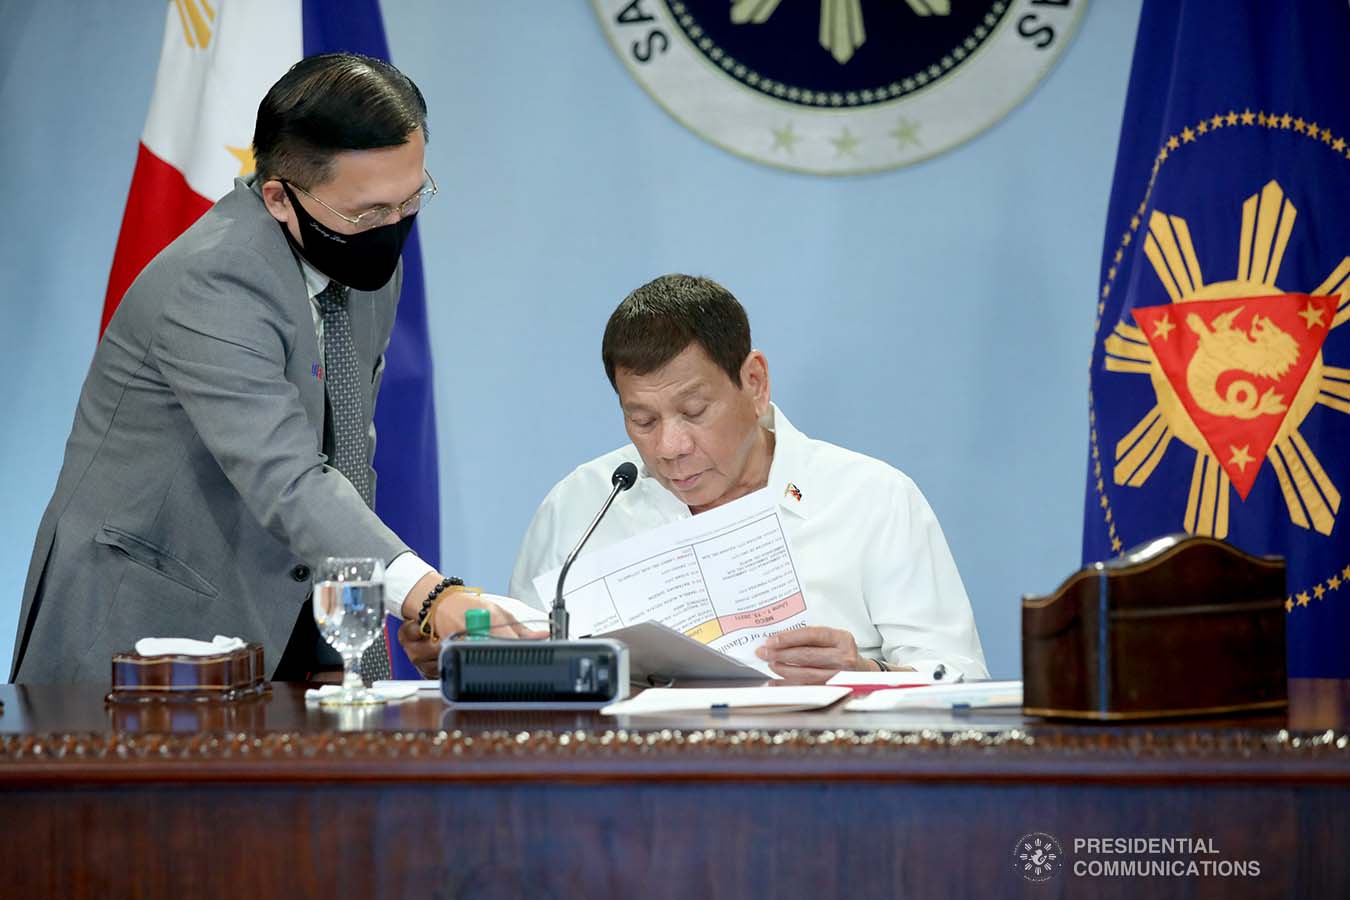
(1183,626)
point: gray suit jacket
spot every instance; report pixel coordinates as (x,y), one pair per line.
(194,497)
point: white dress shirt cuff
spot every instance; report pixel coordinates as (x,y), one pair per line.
(950,670)
(400,578)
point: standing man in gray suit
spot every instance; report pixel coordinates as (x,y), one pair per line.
(224,435)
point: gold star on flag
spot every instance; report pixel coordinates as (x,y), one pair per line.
(1115,545)
(1334,582)
(1173,143)
(1163,328)
(1285,120)
(1288,605)
(1319,592)
(1240,457)
(1312,315)
(1302,598)
(1338,145)
(1248,117)
(245,157)
(1345,573)
(1187,135)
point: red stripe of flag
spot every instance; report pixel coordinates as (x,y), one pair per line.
(160,207)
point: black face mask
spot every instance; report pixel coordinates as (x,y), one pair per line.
(364,261)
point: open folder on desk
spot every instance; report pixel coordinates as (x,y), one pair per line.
(661,655)
(969,695)
(867,681)
(771,699)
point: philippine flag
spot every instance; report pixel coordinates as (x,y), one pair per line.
(218,59)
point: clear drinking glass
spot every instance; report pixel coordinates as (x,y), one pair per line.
(349,610)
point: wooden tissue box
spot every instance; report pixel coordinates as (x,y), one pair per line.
(1183,626)
(236,675)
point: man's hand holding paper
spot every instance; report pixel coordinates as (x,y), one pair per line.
(812,655)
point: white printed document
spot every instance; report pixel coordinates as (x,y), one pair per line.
(725,578)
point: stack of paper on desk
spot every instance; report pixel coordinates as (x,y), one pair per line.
(659,701)
(974,695)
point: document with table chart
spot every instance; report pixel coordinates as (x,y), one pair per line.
(725,577)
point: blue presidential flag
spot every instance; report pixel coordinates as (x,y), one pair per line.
(405,419)
(1220,381)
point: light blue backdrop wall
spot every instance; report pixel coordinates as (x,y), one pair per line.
(939,317)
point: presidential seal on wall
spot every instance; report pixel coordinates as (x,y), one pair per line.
(837,87)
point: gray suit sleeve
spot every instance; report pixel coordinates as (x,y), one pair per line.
(222,347)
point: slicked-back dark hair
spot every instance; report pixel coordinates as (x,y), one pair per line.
(329,103)
(656,322)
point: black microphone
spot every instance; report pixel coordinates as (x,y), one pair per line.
(623,478)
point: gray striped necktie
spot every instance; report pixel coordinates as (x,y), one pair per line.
(347,392)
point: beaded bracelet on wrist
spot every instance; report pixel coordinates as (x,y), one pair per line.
(424,617)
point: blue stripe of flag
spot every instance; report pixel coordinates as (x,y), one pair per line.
(405,419)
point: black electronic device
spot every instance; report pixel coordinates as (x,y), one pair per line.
(511,674)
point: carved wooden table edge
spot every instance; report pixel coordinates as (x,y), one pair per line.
(673,754)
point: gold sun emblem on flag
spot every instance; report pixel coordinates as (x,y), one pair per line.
(198,16)
(841,21)
(1310,496)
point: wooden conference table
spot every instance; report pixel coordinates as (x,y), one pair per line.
(274,798)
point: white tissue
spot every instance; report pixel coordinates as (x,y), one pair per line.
(188,647)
